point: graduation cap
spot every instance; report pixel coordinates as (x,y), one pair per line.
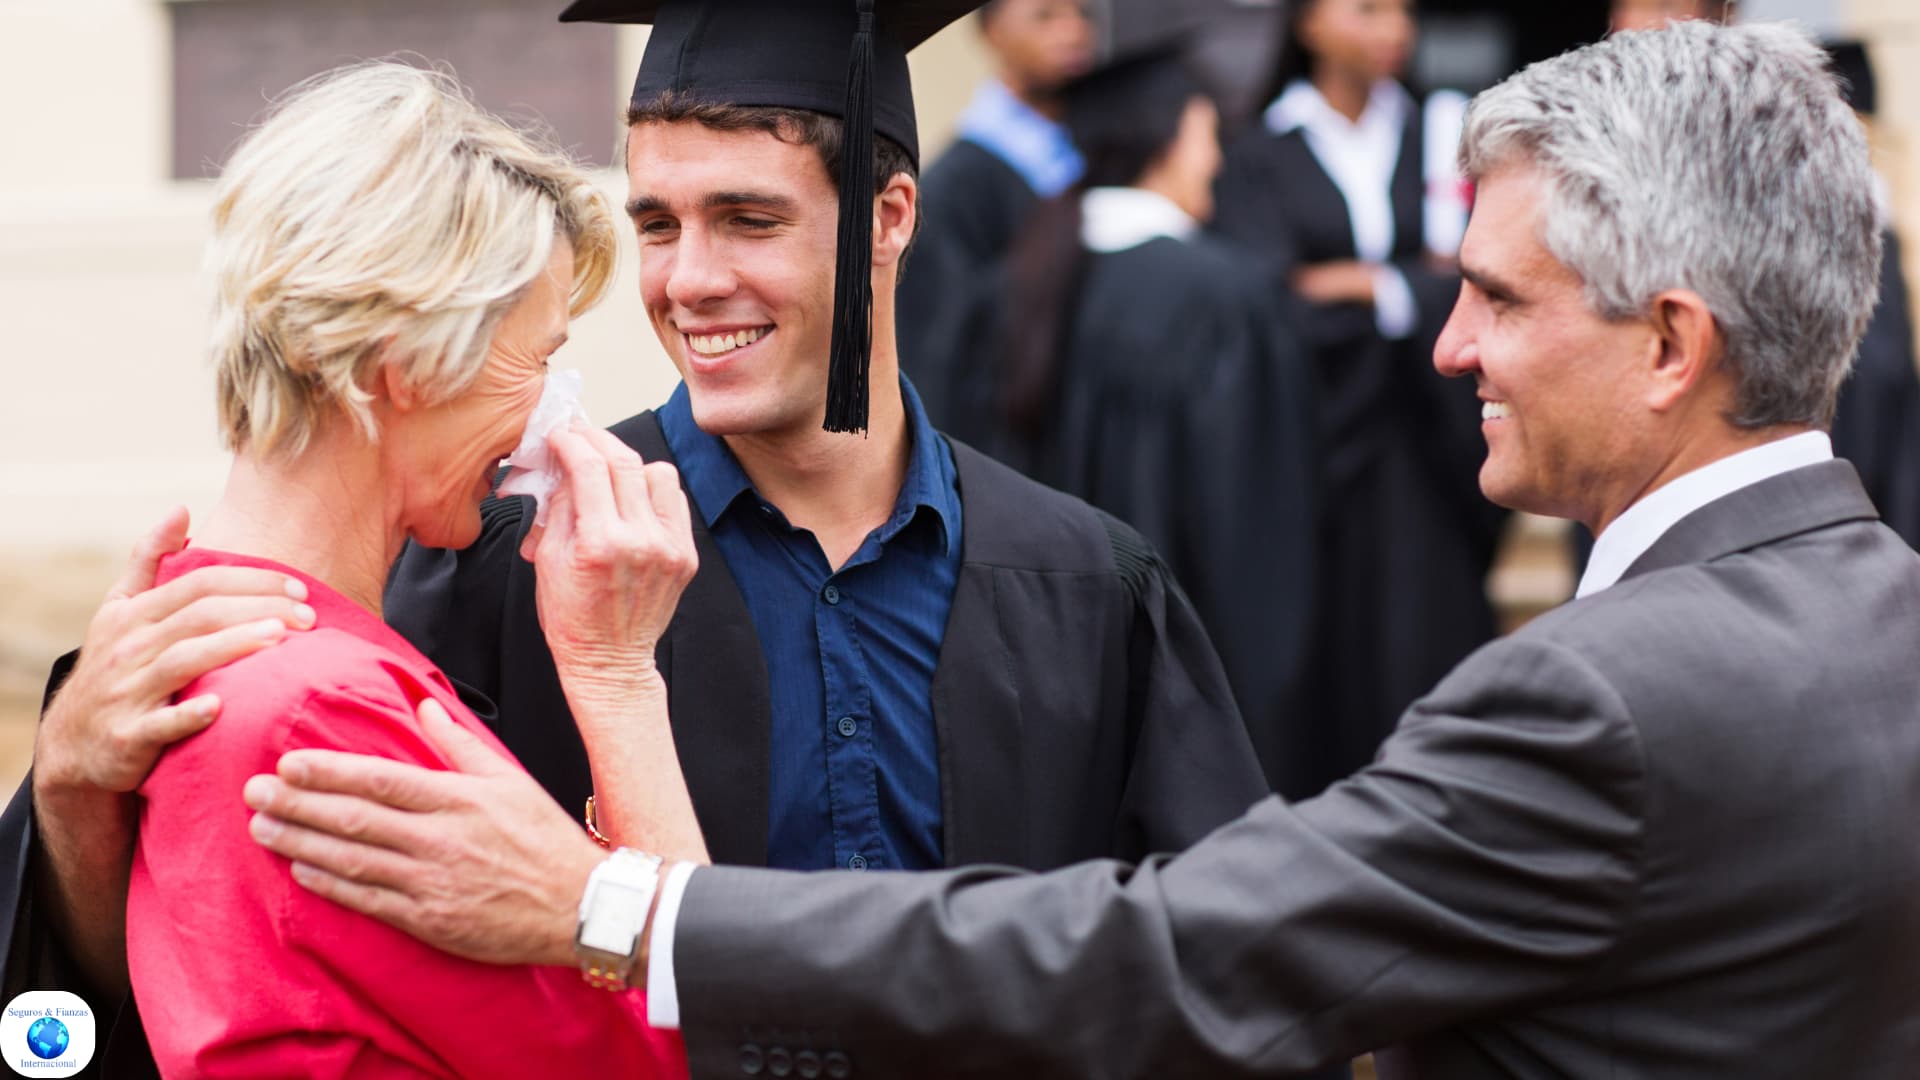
(843,58)
(1125,111)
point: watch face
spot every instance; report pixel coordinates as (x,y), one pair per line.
(614,918)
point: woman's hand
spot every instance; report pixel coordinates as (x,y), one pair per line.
(611,563)
(1343,281)
(609,568)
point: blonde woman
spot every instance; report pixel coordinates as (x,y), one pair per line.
(394,268)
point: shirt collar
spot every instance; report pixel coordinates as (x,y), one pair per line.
(1622,543)
(1031,145)
(1118,218)
(716,481)
(1301,106)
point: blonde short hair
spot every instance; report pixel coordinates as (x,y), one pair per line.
(379,216)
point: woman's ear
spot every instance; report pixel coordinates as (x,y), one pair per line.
(392,384)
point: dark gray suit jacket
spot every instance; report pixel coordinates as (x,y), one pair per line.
(1670,830)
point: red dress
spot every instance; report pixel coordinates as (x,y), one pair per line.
(238,971)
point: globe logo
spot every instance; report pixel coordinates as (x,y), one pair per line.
(47,1038)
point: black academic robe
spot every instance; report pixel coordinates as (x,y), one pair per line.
(1184,409)
(1406,539)
(1876,424)
(971,206)
(1079,709)
(974,202)
(1079,706)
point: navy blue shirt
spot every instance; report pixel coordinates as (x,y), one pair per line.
(854,769)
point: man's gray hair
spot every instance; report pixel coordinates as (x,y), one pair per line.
(1711,158)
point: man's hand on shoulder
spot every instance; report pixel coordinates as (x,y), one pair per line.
(476,860)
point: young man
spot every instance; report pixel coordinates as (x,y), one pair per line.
(1665,830)
(896,653)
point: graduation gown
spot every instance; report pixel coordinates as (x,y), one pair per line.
(1876,424)
(1078,706)
(1406,538)
(1080,709)
(971,205)
(1184,409)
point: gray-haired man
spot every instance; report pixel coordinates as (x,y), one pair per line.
(1666,830)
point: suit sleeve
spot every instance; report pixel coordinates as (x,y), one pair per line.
(1489,857)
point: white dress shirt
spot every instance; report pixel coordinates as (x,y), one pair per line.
(1360,158)
(663,994)
(1117,218)
(1646,521)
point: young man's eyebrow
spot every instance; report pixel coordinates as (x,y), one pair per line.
(779,204)
(714,200)
(645,204)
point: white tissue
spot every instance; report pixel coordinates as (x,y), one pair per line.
(535,472)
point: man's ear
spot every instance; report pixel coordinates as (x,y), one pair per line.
(895,212)
(1687,345)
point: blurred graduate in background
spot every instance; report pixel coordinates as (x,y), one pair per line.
(1009,152)
(1348,190)
(1137,362)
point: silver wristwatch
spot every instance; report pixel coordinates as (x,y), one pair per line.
(613,912)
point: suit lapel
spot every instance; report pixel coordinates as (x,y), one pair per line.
(1795,502)
(717,689)
(976,695)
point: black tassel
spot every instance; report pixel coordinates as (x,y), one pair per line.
(852,353)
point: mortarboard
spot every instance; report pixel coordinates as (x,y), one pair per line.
(844,58)
(1123,112)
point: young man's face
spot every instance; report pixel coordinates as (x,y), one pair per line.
(737,234)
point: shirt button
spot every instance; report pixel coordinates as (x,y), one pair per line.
(831,594)
(848,726)
(858,862)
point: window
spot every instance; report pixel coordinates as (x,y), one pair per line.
(232,57)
